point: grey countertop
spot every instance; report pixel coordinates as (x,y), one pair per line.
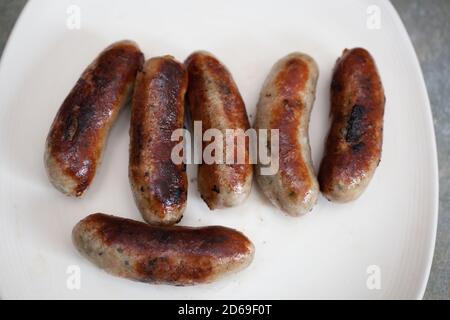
(428,23)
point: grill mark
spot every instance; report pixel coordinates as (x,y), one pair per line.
(335,86)
(71,124)
(215,189)
(355,125)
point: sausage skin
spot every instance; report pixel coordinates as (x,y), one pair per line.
(161,254)
(159,185)
(285,103)
(354,143)
(77,137)
(214,99)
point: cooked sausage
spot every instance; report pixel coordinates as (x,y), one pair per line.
(161,254)
(285,104)
(214,99)
(353,148)
(159,185)
(79,131)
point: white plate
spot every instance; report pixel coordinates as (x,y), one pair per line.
(334,252)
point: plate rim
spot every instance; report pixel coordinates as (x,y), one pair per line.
(434,176)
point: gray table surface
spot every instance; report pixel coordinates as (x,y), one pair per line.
(428,24)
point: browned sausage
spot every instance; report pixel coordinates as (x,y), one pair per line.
(285,104)
(159,185)
(214,99)
(161,254)
(353,147)
(78,134)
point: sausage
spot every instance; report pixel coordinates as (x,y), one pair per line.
(79,131)
(353,147)
(161,254)
(159,185)
(214,99)
(285,103)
